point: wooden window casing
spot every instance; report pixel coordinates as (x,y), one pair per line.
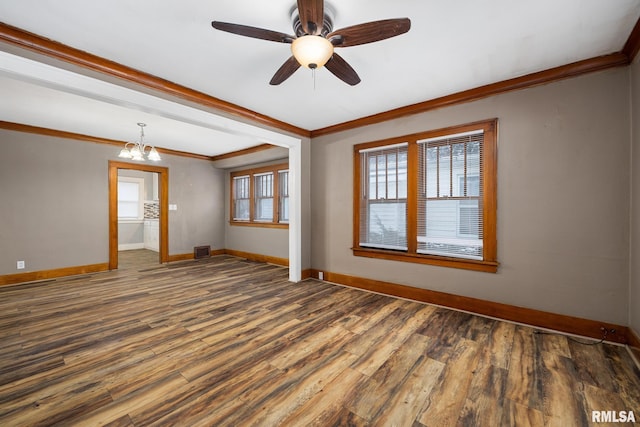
(482,205)
(255,187)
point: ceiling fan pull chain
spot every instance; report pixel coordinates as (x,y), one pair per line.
(313,73)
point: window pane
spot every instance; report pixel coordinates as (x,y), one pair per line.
(128,209)
(392,177)
(473,168)
(402,174)
(242,209)
(284,209)
(241,198)
(459,169)
(263,191)
(451,229)
(384,209)
(431,179)
(371,174)
(469,224)
(129,202)
(283,193)
(386,226)
(128,191)
(449,211)
(444,168)
(264,209)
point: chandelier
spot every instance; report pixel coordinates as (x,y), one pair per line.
(136,150)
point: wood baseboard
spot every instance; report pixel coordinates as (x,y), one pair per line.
(12,279)
(536,318)
(32,276)
(305,274)
(258,257)
(189,256)
(634,342)
(179,257)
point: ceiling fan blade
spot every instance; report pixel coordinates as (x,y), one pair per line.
(339,67)
(290,66)
(253,32)
(369,32)
(311,15)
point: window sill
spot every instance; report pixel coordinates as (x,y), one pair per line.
(258,224)
(465,264)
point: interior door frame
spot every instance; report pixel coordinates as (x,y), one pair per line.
(163,195)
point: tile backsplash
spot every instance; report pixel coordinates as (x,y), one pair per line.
(152,210)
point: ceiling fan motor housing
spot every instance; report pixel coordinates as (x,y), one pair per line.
(327,25)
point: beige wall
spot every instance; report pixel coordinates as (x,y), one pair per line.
(54,209)
(563,199)
(634,289)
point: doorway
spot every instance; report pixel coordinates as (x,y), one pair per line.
(163,206)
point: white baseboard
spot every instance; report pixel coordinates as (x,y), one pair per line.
(130,246)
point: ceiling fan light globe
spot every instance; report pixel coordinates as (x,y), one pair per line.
(312,51)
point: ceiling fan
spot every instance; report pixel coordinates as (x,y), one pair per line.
(314,40)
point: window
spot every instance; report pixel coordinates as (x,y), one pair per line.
(384,204)
(263,202)
(429,198)
(260,197)
(283,195)
(241,198)
(130,198)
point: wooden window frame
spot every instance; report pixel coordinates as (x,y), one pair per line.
(251,222)
(489,178)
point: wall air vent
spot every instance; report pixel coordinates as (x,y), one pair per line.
(201,252)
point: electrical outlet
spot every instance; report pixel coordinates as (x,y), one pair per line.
(20,265)
(320,275)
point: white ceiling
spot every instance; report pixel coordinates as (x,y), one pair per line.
(452,46)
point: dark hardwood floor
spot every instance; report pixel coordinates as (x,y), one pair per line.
(228,342)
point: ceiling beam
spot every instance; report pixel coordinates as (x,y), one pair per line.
(243,152)
(632,46)
(33,42)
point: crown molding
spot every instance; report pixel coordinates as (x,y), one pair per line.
(18,127)
(547,76)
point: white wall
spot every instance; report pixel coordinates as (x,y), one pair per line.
(563,199)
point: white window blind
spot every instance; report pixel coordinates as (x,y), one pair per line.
(241,198)
(263,190)
(130,198)
(383,206)
(450,219)
(283,195)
